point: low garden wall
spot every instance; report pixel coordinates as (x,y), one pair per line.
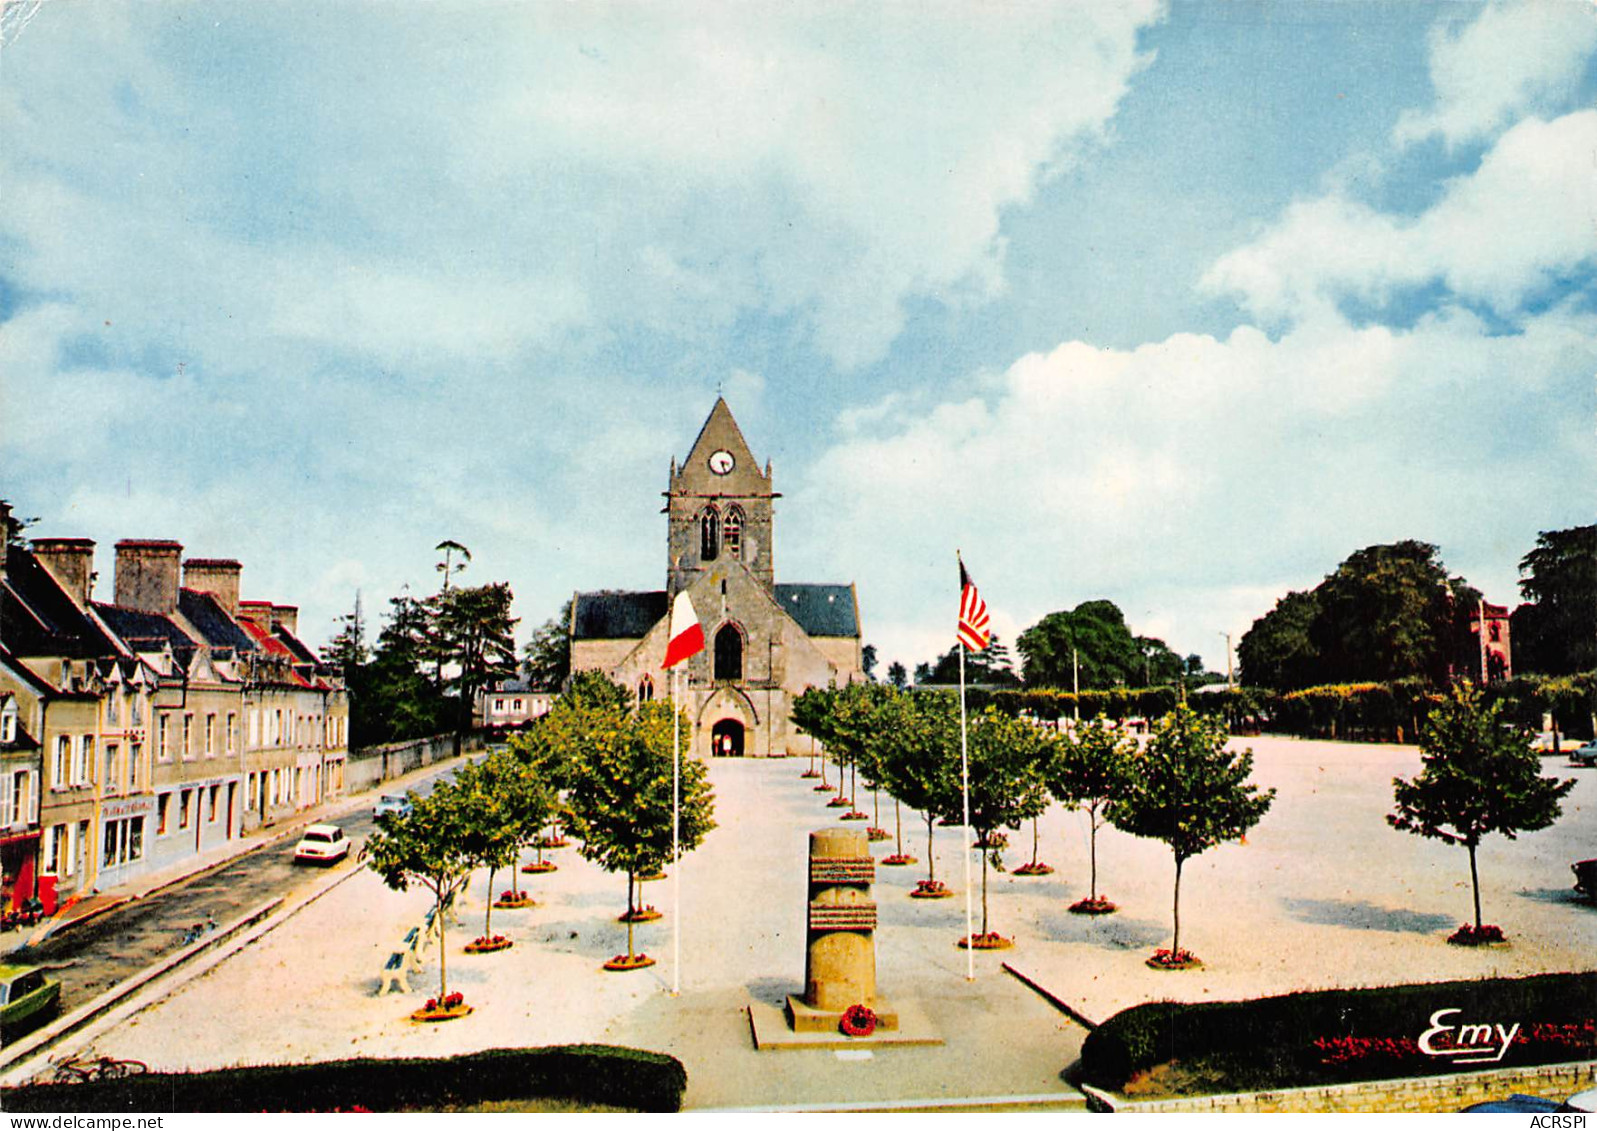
(371,766)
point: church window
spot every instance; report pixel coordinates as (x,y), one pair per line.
(729,653)
(732,533)
(709,535)
(645,689)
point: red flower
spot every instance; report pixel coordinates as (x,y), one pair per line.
(857,1021)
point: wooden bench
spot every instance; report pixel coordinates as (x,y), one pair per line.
(414,941)
(393,976)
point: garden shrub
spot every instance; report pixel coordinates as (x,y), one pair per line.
(594,1074)
(1361,1034)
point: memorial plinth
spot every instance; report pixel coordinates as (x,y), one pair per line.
(839,956)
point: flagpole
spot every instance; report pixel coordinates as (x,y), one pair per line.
(964,779)
(676,836)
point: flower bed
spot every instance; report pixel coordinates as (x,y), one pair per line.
(1174,960)
(875,834)
(995,840)
(450,1008)
(1093,905)
(837,803)
(930,889)
(622,962)
(857,1021)
(992,940)
(556,841)
(897,860)
(855,815)
(539,867)
(513,900)
(644,914)
(824,787)
(1488,935)
(1034,870)
(483,944)
(808,774)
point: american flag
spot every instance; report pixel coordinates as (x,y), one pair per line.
(972,614)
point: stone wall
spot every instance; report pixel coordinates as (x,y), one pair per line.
(371,766)
(1419,1094)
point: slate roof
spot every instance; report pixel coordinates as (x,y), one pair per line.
(295,645)
(39,619)
(145,631)
(613,615)
(212,622)
(821,610)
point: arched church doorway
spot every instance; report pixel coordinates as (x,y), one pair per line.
(726,739)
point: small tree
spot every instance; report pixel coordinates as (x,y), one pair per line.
(920,760)
(431,845)
(1479,776)
(1086,774)
(619,800)
(1186,789)
(812,714)
(492,838)
(1006,756)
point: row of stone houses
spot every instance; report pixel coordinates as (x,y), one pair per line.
(161,724)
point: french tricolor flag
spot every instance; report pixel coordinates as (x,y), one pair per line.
(687,638)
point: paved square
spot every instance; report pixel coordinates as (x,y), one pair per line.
(1322,894)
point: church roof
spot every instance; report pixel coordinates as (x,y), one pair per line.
(821,610)
(615,615)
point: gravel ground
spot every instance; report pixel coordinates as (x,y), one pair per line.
(1322,894)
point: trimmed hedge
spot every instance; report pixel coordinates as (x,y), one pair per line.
(597,1074)
(1270,1042)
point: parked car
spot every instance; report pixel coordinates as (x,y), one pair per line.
(28,997)
(1584,755)
(1585,877)
(394,803)
(321,844)
(1544,742)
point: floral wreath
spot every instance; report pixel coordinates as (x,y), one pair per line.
(857,1021)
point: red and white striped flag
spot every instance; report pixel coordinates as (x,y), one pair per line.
(687,638)
(972,613)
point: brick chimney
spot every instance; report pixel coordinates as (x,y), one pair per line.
(258,613)
(71,562)
(286,617)
(216,576)
(147,574)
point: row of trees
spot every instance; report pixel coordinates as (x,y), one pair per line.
(1392,612)
(430,659)
(1184,788)
(594,766)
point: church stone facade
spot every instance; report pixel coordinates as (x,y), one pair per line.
(766,641)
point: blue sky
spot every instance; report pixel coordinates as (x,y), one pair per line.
(1174,304)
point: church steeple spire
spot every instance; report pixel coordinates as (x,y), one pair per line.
(720,506)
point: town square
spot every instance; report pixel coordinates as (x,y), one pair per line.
(816,559)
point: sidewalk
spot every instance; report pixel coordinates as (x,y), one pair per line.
(101,902)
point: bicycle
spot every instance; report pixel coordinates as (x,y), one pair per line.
(78,1069)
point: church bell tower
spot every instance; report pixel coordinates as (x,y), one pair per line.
(720,509)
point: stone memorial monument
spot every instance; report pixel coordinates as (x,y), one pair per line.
(840,943)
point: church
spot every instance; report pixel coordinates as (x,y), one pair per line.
(766,641)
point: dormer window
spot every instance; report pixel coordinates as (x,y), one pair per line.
(709,535)
(8,722)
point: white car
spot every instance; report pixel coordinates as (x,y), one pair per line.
(321,844)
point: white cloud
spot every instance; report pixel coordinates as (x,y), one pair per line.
(1498,235)
(1515,58)
(1191,479)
